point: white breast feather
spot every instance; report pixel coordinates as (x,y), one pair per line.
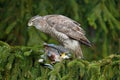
(71,44)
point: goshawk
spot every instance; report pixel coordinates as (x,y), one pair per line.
(67,31)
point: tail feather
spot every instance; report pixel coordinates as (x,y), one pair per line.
(86,42)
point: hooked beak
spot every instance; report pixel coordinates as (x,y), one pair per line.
(29,24)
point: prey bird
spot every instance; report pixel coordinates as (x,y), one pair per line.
(67,31)
(56,53)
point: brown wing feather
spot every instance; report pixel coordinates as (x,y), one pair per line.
(67,26)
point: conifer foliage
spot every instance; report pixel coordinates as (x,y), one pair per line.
(21,63)
(19,60)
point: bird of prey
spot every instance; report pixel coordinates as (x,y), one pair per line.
(67,31)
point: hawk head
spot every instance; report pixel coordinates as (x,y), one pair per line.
(35,21)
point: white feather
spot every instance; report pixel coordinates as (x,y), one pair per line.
(71,44)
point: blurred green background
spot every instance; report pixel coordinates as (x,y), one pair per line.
(99,18)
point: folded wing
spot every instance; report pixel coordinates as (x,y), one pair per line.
(67,26)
